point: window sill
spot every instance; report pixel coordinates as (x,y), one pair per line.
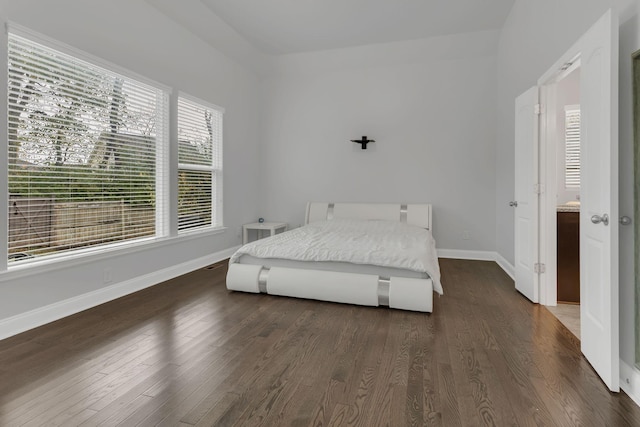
(28,268)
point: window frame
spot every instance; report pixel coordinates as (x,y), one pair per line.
(162,153)
(217,202)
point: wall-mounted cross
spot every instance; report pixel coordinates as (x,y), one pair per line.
(364,141)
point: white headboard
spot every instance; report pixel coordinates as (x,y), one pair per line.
(414,214)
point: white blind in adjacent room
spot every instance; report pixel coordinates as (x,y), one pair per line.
(200,164)
(83,146)
(572,147)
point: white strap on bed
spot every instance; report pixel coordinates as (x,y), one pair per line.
(384,283)
(330,211)
(262,280)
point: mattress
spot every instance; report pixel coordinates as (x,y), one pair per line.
(342,267)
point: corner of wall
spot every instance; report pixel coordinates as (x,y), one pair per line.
(508,268)
(479,256)
(630,381)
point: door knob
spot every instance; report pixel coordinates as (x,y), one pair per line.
(625,220)
(513,204)
(597,219)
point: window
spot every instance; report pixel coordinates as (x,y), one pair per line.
(572,147)
(199,164)
(84,145)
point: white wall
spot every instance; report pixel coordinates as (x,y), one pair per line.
(134,35)
(430,106)
(535,35)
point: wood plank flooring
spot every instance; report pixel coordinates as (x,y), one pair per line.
(189,353)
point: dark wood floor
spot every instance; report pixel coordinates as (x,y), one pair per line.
(188,352)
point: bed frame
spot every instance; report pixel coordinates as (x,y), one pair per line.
(350,288)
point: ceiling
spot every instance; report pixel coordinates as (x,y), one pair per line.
(289,26)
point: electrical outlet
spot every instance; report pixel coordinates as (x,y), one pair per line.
(106,276)
(466,235)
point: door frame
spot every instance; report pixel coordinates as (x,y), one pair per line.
(548,172)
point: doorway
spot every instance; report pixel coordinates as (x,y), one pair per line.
(562,210)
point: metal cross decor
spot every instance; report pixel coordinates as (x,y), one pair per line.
(364,141)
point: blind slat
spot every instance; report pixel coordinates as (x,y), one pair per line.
(572,149)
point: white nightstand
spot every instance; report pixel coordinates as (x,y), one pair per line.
(273,228)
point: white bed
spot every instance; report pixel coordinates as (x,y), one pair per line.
(397,267)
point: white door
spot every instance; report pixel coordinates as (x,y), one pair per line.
(599,199)
(525,203)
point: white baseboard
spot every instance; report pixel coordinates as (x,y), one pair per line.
(43,315)
(479,256)
(630,381)
(508,268)
(461,254)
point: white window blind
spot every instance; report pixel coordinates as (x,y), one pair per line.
(83,148)
(572,147)
(199,164)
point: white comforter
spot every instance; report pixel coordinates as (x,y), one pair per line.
(381,243)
